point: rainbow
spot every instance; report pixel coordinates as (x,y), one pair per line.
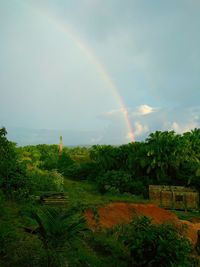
(82,46)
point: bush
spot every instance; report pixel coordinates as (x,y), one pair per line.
(109,250)
(7,237)
(137,187)
(13,177)
(2,200)
(117,180)
(46,180)
(83,171)
(155,245)
(64,161)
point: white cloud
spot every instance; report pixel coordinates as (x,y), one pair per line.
(140,129)
(142,110)
(145,109)
(181,128)
(139,111)
(146,119)
(178,119)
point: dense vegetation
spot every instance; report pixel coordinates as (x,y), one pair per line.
(164,158)
(32,234)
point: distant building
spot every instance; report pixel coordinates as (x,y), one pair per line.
(60,147)
(174,197)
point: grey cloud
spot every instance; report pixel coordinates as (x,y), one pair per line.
(178,119)
(164,119)
(149,48)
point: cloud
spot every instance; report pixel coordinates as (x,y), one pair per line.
(142,110)
(146,119)
(145,109)
(140,129)
(130,112)
(178,119)
(181,128)
(149,49)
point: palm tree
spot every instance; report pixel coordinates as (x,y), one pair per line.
(164,153)
(58,230)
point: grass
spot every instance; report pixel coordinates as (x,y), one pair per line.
(86,194)
(82,194)
(192,216)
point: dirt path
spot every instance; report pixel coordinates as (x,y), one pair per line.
(119,212)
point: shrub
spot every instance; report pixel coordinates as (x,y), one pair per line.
(118,180)
(106,246)
(83,171)
(58,230)
(13,177)
(64,161)
(155,245)
(7,237)
(46,180)
(137,187)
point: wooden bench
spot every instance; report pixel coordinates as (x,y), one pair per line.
(53,199)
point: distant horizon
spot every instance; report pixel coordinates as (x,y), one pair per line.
(121,69)
(30,136)
(26,136)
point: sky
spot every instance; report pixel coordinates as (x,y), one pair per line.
(98,71)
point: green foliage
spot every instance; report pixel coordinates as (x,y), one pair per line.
(108,157)
(56,227)
(84,171)
(42,180)
(120,181)
(7,236)
(79,154)
(154,245)
(30,156)
(64,161)
(13,179)
(59,238)
(28,251)
(2,201)
(142,243)
(48,156)
(192,216)
(164,158)
(85,194)
(117,180)
(113,252)
(58,230)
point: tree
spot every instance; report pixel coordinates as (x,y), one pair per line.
(165,155)
(13,178)
(117,180)
(153,245)
(58,230)
(64,162)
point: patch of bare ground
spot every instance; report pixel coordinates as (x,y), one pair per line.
(120,212)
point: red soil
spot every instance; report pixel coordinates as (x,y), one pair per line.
(117,213)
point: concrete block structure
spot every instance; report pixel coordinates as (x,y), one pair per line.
(174,197)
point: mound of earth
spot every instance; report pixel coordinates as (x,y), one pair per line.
(118,213)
